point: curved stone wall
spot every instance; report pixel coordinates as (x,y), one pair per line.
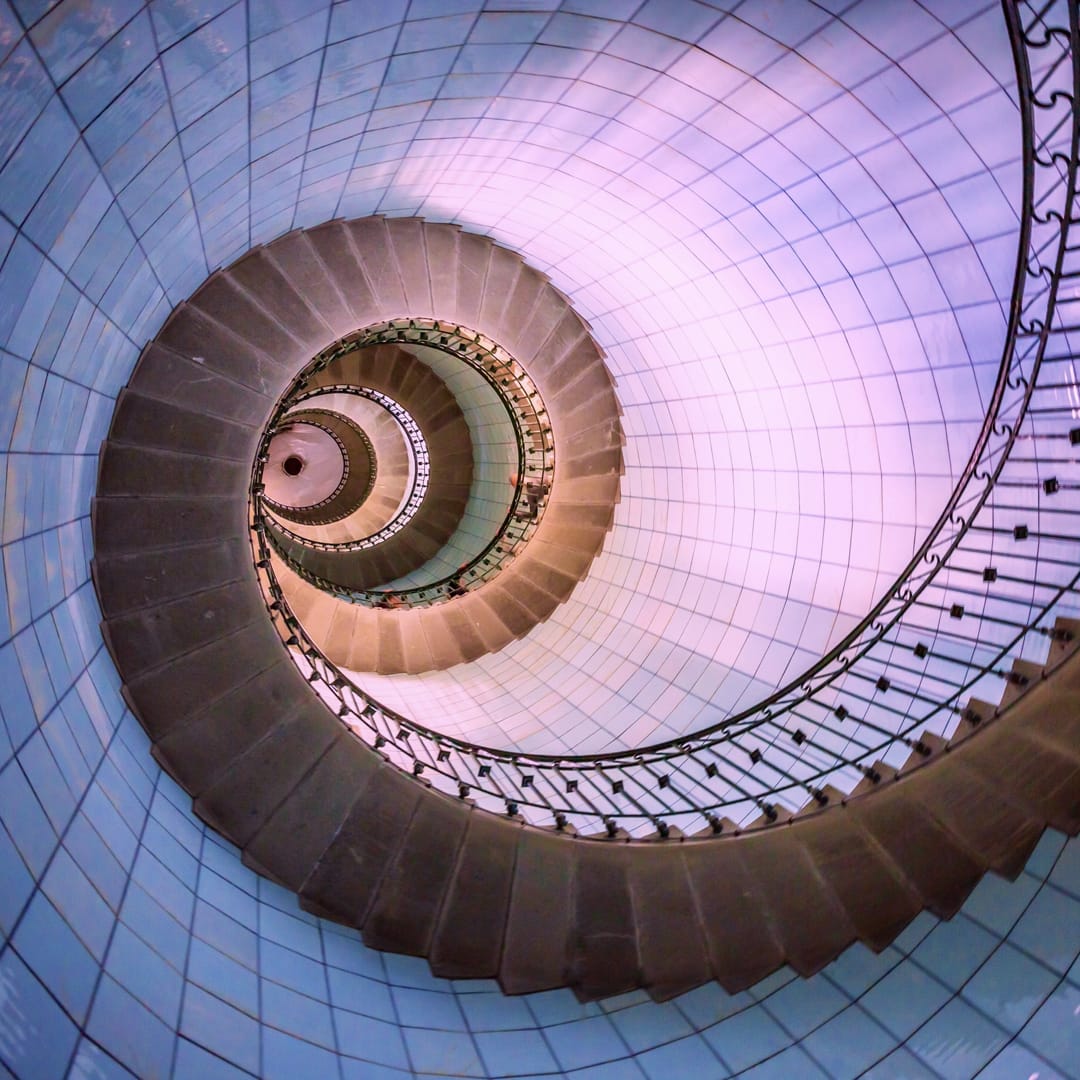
(139,149)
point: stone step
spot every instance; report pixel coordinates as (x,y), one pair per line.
(148,422)
(345,879)
(145,578)
(193,334)
(468,938)
(267,285)
(407,238)
(459,625)
(332,244)
(605,959)
(123,524)
(241,801)
(549,312)
(537,945)
(223,301)
(1041,779)
(299,264)
(305,824)
(170,695)
(152,636)
(373,246)
(168,376)
(441,244)
(199,746)
(671,944)
(877,898)
(406,908)
(1000,833)
(499,282)
(473,253)
(518,310)
(939,867)
(740,943)
(807,918)
(440,634)
(146,471)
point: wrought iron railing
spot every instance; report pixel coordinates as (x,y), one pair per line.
(985,590)
(533,475)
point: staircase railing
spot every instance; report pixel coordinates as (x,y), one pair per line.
(968,622)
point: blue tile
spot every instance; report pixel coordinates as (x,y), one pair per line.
(650,1024)
(143,973)
(510,1053)
(445,1052)
(92,1063)
(586,1042)
(49,947)
(428,1009)
(25,86)
(288,1058)
(36,1038)
(151,922)
(954,950)
(195,1063)
(25,821)
(297,1015)
(362,995)
(219,1027)
(848,1044)
(1054,1031)
(791,1062)
(957,1041)
(132,1033)
(905,999)
(1050,929)
(899,1065)
(1016,1060)
(483,1012)
(110,70)
(804,1004)
(226,935)
(18,883)
(213,970)
(370,1040)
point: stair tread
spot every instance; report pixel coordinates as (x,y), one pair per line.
(468,938)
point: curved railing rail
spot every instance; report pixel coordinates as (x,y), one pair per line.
(980,598)
(533,476)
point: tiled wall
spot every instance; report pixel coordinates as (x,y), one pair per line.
(143,145)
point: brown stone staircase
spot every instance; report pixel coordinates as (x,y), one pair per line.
(274,770)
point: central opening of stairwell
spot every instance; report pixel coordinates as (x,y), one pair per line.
(293,465)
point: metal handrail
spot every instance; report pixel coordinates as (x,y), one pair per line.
(975,599)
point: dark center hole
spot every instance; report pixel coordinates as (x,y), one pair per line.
(292,465)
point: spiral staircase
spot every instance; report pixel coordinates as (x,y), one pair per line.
(227,631)
(296,662)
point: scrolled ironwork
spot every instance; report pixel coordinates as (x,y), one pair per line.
(930,644)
